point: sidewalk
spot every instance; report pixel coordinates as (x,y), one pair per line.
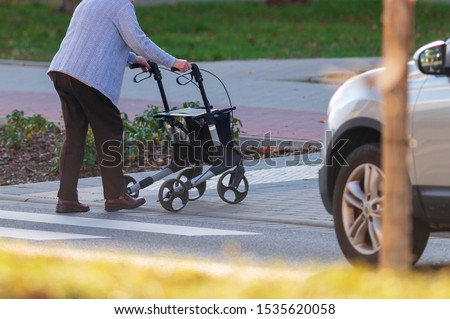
(286,98)
(282,194)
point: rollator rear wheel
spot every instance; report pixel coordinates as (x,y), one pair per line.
(129,181)
(230,190)
(173,195)
(197,191)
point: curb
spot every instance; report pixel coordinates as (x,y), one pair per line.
(26,63)
(37,200)
(298,144)
(26,199)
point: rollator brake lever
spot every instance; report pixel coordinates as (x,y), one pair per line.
(136,78)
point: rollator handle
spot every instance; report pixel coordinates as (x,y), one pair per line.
(135,66)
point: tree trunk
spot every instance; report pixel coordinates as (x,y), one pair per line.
(397,217)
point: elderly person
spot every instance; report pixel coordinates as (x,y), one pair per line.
(87,72)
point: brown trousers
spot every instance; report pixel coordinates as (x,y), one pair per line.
(81,106)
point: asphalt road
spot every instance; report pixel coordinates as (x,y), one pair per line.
(212,238)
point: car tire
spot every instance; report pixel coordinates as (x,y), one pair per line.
(357,208)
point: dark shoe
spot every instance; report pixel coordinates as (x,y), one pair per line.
(123,202)
(71,206)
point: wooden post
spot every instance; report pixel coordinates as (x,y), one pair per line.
(397,217)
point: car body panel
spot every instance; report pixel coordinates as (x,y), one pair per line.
(431,133)
(358,103)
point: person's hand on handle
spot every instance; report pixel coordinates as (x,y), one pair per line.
(143,62)
(182,65)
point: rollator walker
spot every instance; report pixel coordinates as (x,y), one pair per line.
(202,147)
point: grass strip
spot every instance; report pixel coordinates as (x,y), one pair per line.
(226,31)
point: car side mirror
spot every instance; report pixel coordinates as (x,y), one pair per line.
(430,59)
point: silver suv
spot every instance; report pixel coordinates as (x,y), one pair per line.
(351,180)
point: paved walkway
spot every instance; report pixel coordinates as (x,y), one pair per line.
(287,194)
(287,98)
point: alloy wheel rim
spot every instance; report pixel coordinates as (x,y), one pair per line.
(362,208)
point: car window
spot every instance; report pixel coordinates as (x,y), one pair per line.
(447,57)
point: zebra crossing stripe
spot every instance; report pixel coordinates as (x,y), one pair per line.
(118,224)
(29,234)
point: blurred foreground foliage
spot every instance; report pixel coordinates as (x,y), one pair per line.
(37,272)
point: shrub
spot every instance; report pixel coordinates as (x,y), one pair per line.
(19,130)
(143,136)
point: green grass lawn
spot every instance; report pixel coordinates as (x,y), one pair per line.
(225,31)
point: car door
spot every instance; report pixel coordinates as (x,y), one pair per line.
(431,145)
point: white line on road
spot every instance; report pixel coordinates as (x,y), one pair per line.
(30,234)
(118,224)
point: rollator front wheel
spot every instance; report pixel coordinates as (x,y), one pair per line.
(173,195)
(129,181)
(197,191)
(230,189)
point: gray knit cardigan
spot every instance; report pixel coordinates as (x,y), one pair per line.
(98,45)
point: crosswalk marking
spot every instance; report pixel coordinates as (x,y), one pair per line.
(118,224)
(30,234)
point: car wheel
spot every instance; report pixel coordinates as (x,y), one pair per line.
(357,208)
